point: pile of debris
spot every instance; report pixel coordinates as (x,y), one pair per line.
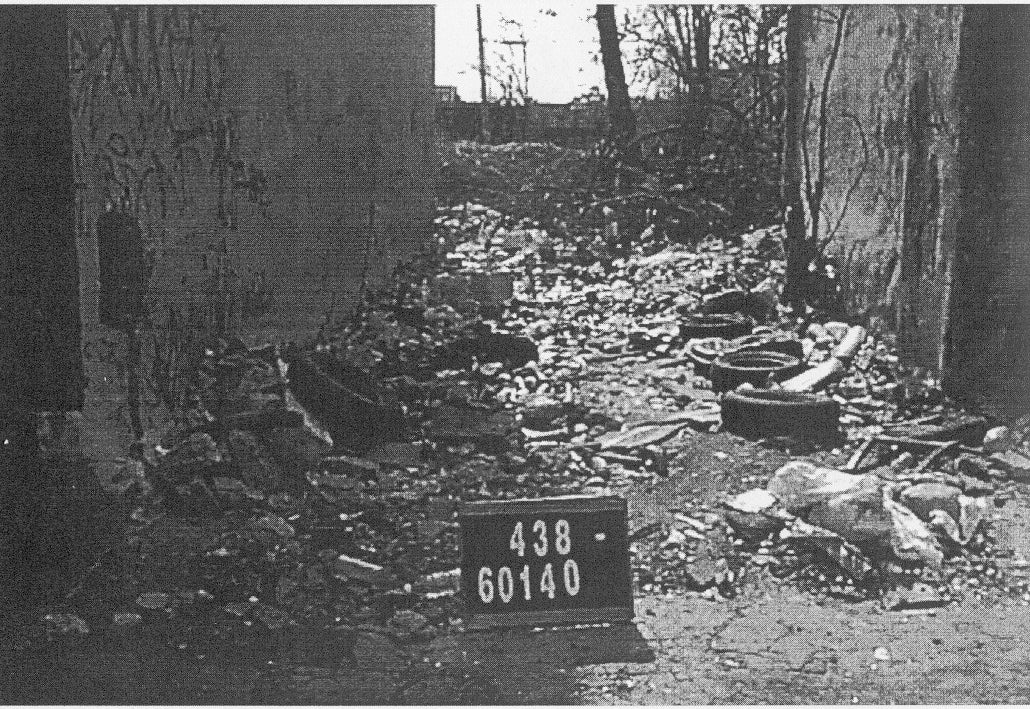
(529,357)
(915,530)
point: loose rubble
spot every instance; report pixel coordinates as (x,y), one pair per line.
(529,357)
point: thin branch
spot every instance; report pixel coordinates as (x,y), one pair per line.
(824,98)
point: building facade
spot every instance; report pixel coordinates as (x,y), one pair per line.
(233,169)
(911,151)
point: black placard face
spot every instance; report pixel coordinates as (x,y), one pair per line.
(549,560)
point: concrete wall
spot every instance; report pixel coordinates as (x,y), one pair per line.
(883,98)
(927,202)
(269,139)
(987,344)
(39,309)
(265,158)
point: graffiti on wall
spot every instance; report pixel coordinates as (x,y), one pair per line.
(153,137)
(146,91)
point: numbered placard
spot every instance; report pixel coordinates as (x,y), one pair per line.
(554,560)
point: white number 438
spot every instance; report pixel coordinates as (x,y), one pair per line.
(540,538)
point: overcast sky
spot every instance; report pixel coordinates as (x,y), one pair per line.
(561,46)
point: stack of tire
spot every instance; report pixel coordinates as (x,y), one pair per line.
(743,369)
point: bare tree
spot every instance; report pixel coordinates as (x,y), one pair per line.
(798,246)
(622,122)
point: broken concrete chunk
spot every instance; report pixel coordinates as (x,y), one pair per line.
(540,413)
(974,510)
(64,624)
(752,501)
(126,620)
(857,516)
(924,498)
(351,466)
(998,440)
(836,330)
(911,539)
(1016,464)
(945,526)
(154,601)
(276,524)
(921,596)
(973,466)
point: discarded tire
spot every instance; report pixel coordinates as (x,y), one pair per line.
(768,342)
(732,369)
(758,413)
(727,326)
(702,352)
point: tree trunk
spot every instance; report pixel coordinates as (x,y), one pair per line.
(799,246)
(484,120)
(622,122)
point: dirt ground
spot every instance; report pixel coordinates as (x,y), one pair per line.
(770,644)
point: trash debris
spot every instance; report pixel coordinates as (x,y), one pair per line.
(154,601)
(354,407)
(911,539)
(751,514)
(639,436)
(275,524)
(833,368)
(348,567)
(724,326)
(833,547)
(924,498)
(1016,464)
(800,484)
(920,597)
(857,515)
(565,369)
(756,412)
(755,367)
(64,624)
(999,440)
(126,620)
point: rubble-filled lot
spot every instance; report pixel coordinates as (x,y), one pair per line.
(295,518)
